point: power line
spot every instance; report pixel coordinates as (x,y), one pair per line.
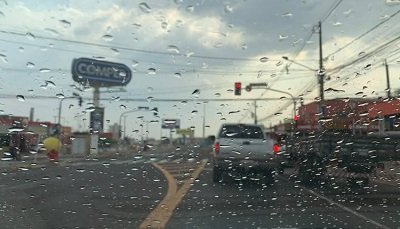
(118,47)
(331,10)
(364,34)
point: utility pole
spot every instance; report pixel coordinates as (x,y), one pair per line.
(204,120)
(388,90)
(321,72)
(255,112)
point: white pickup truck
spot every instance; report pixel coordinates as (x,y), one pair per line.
(244,149)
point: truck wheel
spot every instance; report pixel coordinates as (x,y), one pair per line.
(217,174)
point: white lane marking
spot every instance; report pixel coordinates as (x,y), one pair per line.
(347,209)
(341,206)
(162,161)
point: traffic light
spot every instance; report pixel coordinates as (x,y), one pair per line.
(295,119)
(238,88)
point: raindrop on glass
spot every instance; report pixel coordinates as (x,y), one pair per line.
(107,37)
(21,98)
(30,65)
(144,7)
(173,48)
(65,23)
(283,37)
(190,8)
(30,36)
(263,59)
(228,9)
(151,71)
(178,75)
(134,63)
(60,96)
(44,70)
(150,89)
(196,93)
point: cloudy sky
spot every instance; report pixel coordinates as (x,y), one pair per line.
(175,47)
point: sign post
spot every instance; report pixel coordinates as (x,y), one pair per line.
(170,124)
(96,74)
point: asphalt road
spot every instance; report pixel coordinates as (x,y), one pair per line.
(175,190)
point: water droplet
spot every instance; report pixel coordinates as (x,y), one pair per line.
(134,63)
(228,9)
(190,8)
(21,49)
(116,51)
(149,99)
(217,94)
(196,93)
(144,7)
(30,36)
(4,58)
(194,112)
(173,48)
(368,67)
(362,53)
(80,170)
(44,70)
(52,32)
(283,37)
(150,89)
(60,96)
(65,23)
(30,65)
(287,14)
(178,75)
(122,106)
(278,113)
(90,109)
(264,59)
(151,71)
(338,23)
(21,98)
(164,25)
(108,37)
(49,83)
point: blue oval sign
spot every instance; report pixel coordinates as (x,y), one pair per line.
(100,73)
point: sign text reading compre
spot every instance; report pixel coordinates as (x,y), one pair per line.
(100,73)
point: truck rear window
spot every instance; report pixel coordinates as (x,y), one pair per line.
(239,131)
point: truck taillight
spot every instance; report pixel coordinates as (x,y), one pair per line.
(216,147)
(276,148)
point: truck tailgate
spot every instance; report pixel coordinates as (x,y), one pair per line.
(248,149)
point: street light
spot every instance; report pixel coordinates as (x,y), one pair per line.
(127,112)
(265,86)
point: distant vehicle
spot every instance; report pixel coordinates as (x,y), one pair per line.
(244,149)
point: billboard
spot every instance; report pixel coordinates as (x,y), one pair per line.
(99,73)
(170,124)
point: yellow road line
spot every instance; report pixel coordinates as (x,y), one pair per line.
(160,216)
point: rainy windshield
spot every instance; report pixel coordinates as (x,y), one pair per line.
(199,114)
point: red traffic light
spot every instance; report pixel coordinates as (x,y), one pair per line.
(238,88)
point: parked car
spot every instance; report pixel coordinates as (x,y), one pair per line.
(244,149)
